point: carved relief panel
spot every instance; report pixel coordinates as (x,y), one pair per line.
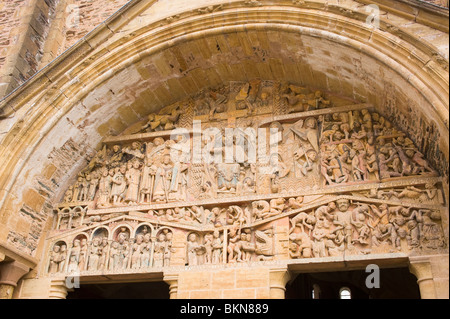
(244,173)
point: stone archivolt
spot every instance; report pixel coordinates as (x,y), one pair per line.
(342,179)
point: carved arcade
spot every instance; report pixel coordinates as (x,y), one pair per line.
(328,176)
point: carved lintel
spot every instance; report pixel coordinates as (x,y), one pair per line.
(314,113)
(140,137)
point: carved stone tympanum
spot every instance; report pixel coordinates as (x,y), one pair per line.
(266,171)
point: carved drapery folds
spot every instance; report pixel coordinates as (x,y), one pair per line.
(248,172)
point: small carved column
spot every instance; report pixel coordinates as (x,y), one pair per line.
(10,274)
(172,280)
(58,289)
(421,268)
(225,246)
(152,250)
(58,223)
(279,277)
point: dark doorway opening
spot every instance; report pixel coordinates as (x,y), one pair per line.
(395,283)
(141,290)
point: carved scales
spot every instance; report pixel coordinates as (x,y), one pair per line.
(336,176)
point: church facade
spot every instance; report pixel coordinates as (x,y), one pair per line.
(224,149)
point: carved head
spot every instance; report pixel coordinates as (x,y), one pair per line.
(192,237)
(343,204)
(332,206)
(248,181)
(409,153)
(311,219)
(166,159)
(139,239)
(370,149)
(335,116)
(375,117)
(158,141)
(136,164)
(364,208)
(402,233)
(411,224)
(361,217)
(95,241)
(312,155)
(135,145)
(400,140)
(276,125)
(310,123)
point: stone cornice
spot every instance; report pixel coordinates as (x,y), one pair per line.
(12,254)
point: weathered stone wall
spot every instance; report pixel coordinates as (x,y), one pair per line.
(34,32)
(441,3)
(24,27)
(83,16)
(10,17)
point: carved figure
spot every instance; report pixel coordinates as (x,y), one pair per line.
(133,177)
(164,120)
(303,220)
(162,180)
(195,250)
(300,245)
(217,248)
(119,185)
(264,244)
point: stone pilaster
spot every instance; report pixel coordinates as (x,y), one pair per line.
(421,268)
(279,277)
(10,274)
(172,280)
(58,289)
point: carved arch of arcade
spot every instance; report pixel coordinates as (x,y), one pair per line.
(329,176)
